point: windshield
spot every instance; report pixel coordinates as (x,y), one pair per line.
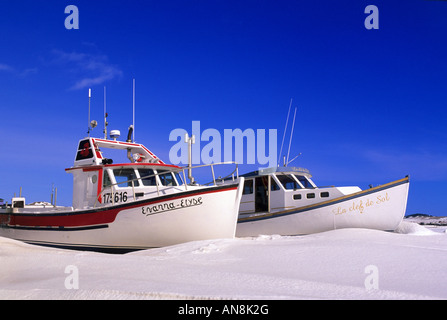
(305,182)
(147,177)
(288,182)
(166,178)
(124,177)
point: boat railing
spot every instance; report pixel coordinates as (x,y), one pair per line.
(234,176)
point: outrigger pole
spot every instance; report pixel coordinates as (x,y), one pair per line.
(290,141)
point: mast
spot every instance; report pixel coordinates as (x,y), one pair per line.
(89,98)
(190,140)
(133,109)
(105,115)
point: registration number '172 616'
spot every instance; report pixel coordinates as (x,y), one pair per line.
(116,197)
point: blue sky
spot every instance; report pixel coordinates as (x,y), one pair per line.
(372,104)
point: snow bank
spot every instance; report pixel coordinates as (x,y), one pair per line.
(413,228)
(340,264)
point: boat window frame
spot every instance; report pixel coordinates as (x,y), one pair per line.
(290,176)
(119,184)
(306,179)
(141,176)
(162,172)
(249,187)
(107,181)
(178,178)
(110,178)
(274,185)
(297,196)
(324,194)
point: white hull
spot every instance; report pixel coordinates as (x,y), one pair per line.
(205,213)
(379,208)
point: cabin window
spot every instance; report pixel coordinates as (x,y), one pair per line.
(84,150)
(166,178)
(310,196)
(288,182)
(273,185)
(248,187)
(179,178)
(304,181)
(297,196)
(107,182)
(124,177)
(324,194)
(147,177)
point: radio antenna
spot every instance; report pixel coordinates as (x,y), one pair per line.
(291,134)
(105,114)
(133,109)
(285,129)
(89,98)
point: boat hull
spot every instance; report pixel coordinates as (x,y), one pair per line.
(201,214)
(381,208)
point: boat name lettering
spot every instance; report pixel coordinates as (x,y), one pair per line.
(361,205)
(173,205)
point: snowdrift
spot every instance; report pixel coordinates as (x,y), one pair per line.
(340,264)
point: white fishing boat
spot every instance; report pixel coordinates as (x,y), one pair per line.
(285,201)
(122,207)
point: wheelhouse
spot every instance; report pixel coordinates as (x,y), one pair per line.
(112,184)
(283,188)
(268,190)
(99,182)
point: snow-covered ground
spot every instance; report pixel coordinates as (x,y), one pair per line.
(430,222)
(410,263)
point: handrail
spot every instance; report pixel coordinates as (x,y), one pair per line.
(236,170)
(174,170)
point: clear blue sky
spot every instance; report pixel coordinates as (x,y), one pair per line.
(372,104)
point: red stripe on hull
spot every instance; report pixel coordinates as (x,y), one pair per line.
(67,220)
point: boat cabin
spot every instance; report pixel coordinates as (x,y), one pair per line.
(282,188)
(97,181)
